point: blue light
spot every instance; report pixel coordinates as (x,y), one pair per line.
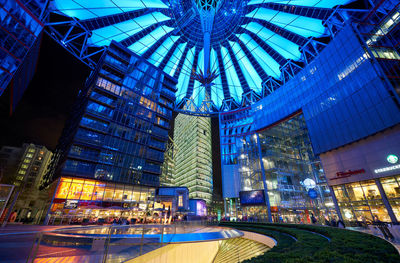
(85,9)
(159,54)
(184,76)
(304,26)
(249,72)
(147,41)
(234,85)
(270,66)
(181,22)
(310,3)
(120,31)
(285,47)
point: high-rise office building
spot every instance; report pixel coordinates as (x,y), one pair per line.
(168,167)
(20,31)
(25,168)
(115,139)
(193,158)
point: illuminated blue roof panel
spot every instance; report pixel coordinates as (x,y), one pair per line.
(249,42)
(310,3)
(285,47)
(184,75)
(120,31)
(147,41)
(86,9)
(305,26)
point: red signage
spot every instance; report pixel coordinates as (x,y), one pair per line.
(349,173)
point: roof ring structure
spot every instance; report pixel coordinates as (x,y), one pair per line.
(225,54)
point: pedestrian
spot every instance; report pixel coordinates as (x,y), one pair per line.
(313,219)
(333,222)
(340,223)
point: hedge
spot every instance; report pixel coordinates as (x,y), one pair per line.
(312,244)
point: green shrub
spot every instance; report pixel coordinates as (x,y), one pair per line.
(343,246)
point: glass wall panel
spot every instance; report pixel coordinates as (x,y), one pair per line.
(63,188)
(109,192)
(87,190)
(75,190)
(391,187)
(355,192)
(396,207)
(98,191)
(127,197)
(119,192)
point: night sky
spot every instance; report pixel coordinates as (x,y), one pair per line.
(41,114)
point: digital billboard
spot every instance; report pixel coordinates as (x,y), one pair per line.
(255,197)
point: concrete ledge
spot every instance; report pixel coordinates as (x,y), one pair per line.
(263,239)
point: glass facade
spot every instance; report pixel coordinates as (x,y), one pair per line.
(362,201)
(264,40)
(343,95)
(102,199)
(116,133)
(282,155)
(20,35)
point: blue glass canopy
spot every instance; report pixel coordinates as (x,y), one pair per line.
(220,51)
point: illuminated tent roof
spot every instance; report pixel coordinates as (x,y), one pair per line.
(254,46)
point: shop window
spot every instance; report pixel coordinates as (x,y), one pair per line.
(395,204)
(75,190)
(180,200)
(62,191)
(109,192)
(135,196)
(391,187)
(355,192)
(143,196)
(127,193)
(98,191)
(371,190)
(379,210)
(118,193)
(87,190)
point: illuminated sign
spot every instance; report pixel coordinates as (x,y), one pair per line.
(349,173)
(312,193)
(309,183)
(391,158)
(255,197)
(71,204)
(387,169)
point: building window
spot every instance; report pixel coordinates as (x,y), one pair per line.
(27,161)
(24,166)
(29,155)
(180,200)
(22,172)
(31,150)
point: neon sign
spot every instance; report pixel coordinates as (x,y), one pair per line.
(387,169)
(348,174)
(391,158)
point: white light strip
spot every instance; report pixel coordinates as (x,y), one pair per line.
(390,168)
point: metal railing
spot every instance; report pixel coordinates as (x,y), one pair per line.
(108,243)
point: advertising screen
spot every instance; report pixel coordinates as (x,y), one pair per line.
(255,197)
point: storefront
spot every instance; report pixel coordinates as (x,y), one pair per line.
(79,199)
(365,178)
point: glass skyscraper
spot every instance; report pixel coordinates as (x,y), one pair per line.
(20,36)
(117,133)
(193,158)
